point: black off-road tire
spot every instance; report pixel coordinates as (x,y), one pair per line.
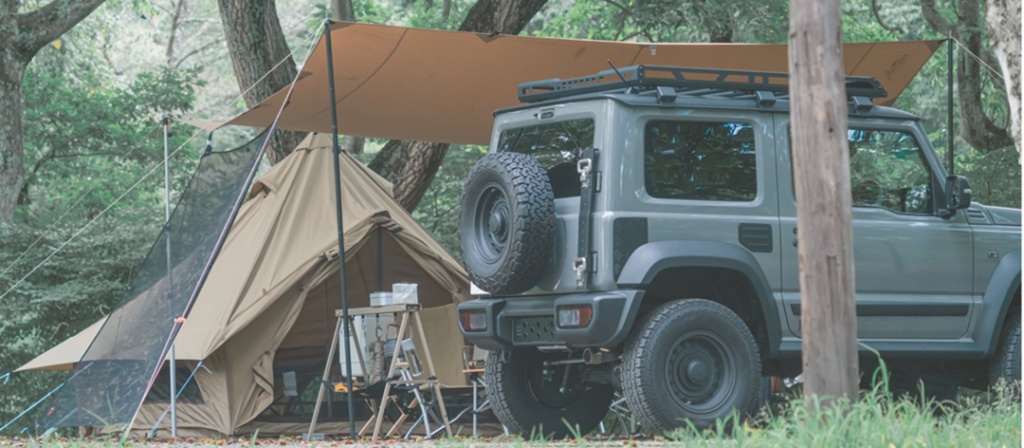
(691,360)
(1006,362)
(507,223)
(533,410)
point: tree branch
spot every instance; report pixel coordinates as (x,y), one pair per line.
(935,20)
(878,18)
(196,51)
(51,21)
(619,5)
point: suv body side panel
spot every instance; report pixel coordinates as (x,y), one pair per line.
(912,287)
(652,258)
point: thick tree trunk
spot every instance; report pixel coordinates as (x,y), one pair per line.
(828,319)
(411,166)
(976,128)
(1004,29)
(12,153)
(256,44)
(21,37)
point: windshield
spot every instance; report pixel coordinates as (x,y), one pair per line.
(556,146)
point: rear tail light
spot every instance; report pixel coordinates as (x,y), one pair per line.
(574,317)
(473,320)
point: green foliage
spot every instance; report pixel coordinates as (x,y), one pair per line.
(87,135)
(666,20)
(438,211)
(78,286)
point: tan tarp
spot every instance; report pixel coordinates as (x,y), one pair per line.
(442,86)
(274,287)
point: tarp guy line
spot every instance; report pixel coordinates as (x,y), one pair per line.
(309,42)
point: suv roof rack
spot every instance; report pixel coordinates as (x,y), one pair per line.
(765,86)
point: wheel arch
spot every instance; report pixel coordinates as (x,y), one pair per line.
(650,260)
(1002,292)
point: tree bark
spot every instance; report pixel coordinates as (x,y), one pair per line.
(256,44)
(818,104)
(411,166)
(1004,24)
(21,37)
(976,128)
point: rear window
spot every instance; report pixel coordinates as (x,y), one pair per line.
(556,146)
(710,161)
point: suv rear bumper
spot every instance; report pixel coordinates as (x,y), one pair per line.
(531,321)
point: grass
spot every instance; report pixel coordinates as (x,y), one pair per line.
(878,419)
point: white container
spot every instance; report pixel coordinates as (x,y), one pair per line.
(381,298)
(405,293)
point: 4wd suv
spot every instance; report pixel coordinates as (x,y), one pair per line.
(636,232)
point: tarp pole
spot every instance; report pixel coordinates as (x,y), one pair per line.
(341,234)
(170,290)
(949,103)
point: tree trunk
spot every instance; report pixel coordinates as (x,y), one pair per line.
(828,318)
(1003,17)
(411,166)
(976,128)
(21,37)
(256,44)
(12,153)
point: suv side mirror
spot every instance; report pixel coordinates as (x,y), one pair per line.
(958,193)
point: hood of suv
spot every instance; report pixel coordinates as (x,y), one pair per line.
(1003,216)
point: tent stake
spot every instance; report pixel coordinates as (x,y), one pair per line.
(341,233)
(170,285)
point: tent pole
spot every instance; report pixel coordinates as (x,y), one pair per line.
(167,237)
(341,232)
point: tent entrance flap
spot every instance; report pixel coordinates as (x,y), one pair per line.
(443,86)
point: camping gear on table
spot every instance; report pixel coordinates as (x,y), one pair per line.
(404,354)
(264,310)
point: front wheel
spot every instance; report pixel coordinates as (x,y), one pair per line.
(528,398)
(691,360)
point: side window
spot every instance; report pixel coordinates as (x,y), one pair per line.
(556,146)
(888,170)
(710,161)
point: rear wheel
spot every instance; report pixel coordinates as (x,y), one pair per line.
(528,398)
(691,360)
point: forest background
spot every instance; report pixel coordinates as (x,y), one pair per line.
(92,201)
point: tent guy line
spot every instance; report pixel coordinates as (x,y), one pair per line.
(33,406)
(310,43)
(176,395)
(72,207)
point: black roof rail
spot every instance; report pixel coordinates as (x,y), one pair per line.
(689,81)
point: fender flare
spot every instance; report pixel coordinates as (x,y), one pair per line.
(650,259)
(996,302)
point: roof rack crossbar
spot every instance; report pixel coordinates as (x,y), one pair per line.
(688,81)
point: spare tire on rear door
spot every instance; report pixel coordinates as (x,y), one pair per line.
(507,223)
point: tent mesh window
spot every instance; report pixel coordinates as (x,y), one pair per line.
(110,383)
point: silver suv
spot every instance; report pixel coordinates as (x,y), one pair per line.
(636,233)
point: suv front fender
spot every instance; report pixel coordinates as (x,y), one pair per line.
(652,258)
(996,302)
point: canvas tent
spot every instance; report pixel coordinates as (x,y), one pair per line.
(442,86)
(267,308)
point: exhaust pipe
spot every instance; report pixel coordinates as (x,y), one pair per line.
(598,357)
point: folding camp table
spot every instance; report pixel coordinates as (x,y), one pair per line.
(404,313)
